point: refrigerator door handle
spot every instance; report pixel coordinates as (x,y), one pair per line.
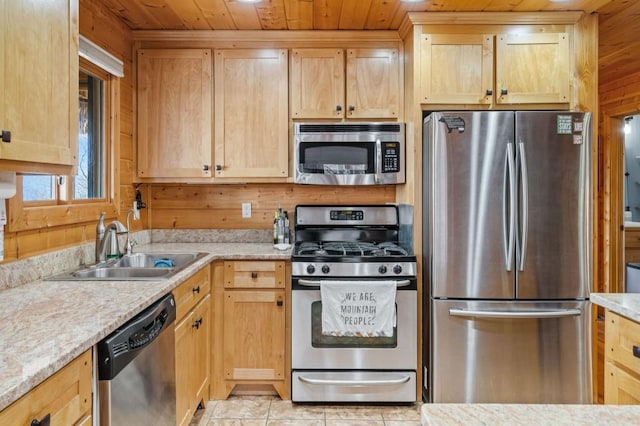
(508,235)
(524,203)
(456,312)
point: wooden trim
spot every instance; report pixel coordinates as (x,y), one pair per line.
(259,36)
(493,18)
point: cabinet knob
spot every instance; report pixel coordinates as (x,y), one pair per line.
(504,92)
(206,168)
(254,275)
(279,302)
(197,323)
(489,92)
(352,108)
(218,167)
(636,351)
(196,290)
(6,136)
(338,108)
(45,421)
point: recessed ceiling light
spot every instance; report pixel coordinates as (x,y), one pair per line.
(249,1)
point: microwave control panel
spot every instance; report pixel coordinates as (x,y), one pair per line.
(390,157)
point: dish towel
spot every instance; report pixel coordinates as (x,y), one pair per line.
(358,308)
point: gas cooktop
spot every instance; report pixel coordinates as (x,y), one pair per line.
(348,248)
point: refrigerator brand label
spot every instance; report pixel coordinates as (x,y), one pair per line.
(564,125)
(578,126)
(577,139)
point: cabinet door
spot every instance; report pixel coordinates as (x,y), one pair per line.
(174,112)
(456,69)
(254,335)
(533,68)
(39,81)
(201,351)
(373,83)
(251,121)
(317,83)
(620,387)
(184,369)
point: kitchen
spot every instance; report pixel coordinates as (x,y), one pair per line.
(172,205)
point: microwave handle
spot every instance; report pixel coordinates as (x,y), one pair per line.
(378,161)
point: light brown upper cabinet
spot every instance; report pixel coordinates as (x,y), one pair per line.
(456,68)
(530,68)
(321,86)
(251,113)
(533,68)
(175,102)
(39,82)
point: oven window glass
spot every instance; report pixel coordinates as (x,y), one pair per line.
(319,340)
(342,158)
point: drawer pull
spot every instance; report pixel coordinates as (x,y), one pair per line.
(197,323)
(279,302)
(196,290)
(636,351)
(254,275)
(45,421)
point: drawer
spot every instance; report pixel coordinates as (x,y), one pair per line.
(190,292)
(632,238)
(64,397)
(254,274)
(620,387)
(621,336)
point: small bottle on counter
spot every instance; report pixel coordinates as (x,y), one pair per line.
(275,228)
(286,228)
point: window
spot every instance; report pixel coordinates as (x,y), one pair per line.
(89,182)
(61,199)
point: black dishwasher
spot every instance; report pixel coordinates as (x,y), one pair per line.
(136,369)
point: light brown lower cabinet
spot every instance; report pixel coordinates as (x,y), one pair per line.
(61,400)
(192,344)
(621,360)
(251,326)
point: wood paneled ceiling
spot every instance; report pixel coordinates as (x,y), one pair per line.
(310,14)
(619,19)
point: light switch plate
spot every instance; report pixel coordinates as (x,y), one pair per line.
(246,210)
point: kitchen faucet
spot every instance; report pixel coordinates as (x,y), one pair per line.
(106,239)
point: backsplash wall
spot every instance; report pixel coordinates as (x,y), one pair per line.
(220,206)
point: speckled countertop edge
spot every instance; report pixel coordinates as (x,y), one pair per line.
(528,414)
(625,304)
(46,324)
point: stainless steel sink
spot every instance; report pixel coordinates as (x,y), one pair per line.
(134,267)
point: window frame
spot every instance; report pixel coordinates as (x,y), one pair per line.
(31,215)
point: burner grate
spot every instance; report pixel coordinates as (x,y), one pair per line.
(350,248)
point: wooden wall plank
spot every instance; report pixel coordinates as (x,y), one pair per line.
(189,13)
(216,14)
(272,15)
(220,206)
(326,14)
(299,14)
(381,14)
(353,15)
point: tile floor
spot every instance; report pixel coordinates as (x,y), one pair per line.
(272,411)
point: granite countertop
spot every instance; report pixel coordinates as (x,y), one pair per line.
(46,324)
(529,414)
(625,304)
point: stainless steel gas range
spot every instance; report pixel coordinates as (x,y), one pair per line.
(355,248)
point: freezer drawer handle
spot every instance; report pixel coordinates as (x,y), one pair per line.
(310,283)
(636,351)
(335,382)
(514,314)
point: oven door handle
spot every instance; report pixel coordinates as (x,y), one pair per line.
(309,283)
(335,382)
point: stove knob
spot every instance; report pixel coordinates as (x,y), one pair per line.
(397,269)
(311,269)
(325,269)
(382,269)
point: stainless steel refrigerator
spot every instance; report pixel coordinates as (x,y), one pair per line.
(507,264)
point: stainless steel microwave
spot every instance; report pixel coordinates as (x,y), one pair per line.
(349,153)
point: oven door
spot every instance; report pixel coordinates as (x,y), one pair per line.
(313,350)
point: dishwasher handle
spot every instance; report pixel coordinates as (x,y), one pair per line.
(123,345)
